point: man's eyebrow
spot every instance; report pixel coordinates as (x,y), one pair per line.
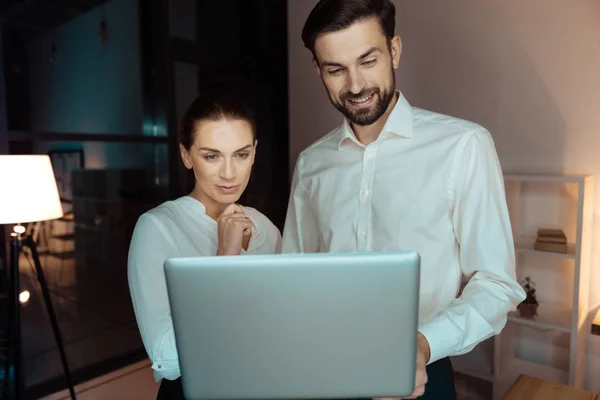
(368,53)
(361,57)
(331,64)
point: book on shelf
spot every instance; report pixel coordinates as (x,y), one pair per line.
(553,247)
(553,240)
(554,234)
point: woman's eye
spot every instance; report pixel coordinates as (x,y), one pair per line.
(210,157)
(243,156)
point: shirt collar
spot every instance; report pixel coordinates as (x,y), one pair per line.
(399,123)
(197,208)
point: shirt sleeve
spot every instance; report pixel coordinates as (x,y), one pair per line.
(267,240)
(301,232)
(150,247)
(484,235)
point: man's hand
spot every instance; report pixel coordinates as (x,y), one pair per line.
(423,354)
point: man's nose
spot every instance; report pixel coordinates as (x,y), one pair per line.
(356,81)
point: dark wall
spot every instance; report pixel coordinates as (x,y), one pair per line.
(241,44)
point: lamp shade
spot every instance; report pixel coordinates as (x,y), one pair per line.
(28,191)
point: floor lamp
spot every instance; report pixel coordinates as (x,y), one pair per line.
(29,194)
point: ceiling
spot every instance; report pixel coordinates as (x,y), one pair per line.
(38,15)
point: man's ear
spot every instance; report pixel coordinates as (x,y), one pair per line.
(316,66)
(396,50)
(185,156)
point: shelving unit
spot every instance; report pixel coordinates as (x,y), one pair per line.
(552,345)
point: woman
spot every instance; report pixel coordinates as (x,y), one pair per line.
(218,143)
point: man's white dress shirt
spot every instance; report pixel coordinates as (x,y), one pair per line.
(430,183)
(178,228)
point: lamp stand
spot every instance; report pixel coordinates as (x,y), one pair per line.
(16,245)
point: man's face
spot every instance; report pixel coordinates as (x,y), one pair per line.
(357,66)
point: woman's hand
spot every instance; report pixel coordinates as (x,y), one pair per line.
(234,230)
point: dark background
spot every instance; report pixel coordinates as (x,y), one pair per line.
(101,86)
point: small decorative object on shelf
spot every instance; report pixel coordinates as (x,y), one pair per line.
(553,240)
(528,308)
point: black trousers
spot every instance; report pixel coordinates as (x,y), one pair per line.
(440,384)
(440,381)
(170,390)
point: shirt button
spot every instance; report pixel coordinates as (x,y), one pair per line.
(363,233)
(365,192)
(159,366)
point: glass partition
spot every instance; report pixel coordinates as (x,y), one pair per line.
(104,188)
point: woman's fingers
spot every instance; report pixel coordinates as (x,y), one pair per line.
(232,209)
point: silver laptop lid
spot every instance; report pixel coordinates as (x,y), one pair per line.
(301,326)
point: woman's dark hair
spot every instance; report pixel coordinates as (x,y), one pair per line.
(214,105)
(335,15)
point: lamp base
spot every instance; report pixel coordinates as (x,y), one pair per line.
(16,245)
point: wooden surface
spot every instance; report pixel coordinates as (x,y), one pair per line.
(528,388)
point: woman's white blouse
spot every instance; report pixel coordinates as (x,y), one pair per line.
(178,228)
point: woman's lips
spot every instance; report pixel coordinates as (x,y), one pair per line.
(228,189)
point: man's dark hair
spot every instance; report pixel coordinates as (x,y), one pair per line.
(335,15)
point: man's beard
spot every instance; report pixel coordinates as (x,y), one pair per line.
(366,116)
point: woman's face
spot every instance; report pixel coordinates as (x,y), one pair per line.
(221,155)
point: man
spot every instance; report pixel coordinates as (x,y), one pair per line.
(393,177)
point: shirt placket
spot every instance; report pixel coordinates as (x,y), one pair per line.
(364,233)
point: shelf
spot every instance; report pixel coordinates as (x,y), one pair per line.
(527,246)
(545,178)
(468,370)
(478,363)
(550,338)
(549,317)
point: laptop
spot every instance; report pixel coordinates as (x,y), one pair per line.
(296,326)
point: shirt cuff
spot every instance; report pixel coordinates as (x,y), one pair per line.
(441,335)
(255,240)
(166,369)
